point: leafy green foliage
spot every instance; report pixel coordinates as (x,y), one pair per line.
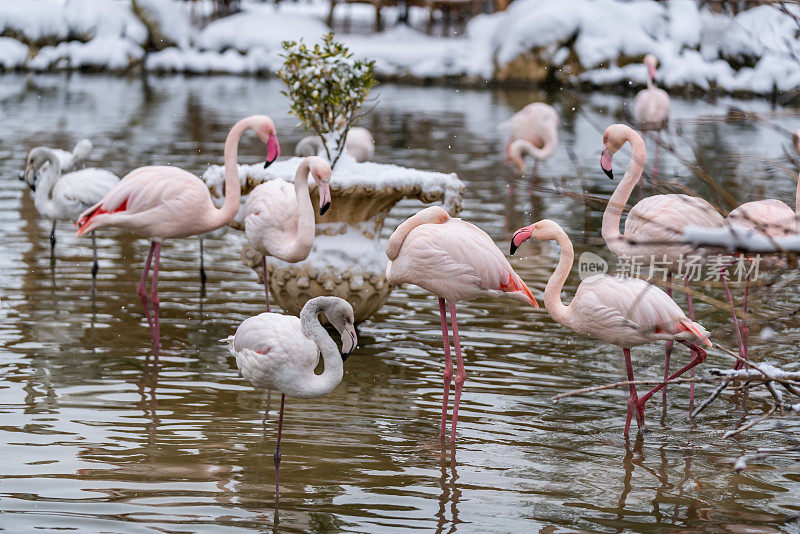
(327,87)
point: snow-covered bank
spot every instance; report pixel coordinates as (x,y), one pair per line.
(592,42)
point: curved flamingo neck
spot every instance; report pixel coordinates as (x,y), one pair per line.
(322,384)
(300,246)
(42,198)
(433,214)
(233,191)
(552,292)
(613,213)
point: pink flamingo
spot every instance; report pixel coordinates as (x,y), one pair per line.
(654,226)
(455,261)
(534,132)
(167,202)
(772,218)
(360,144)
(279,218)
(626,312)
(651,105)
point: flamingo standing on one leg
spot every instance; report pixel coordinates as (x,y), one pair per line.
(456,261)
(536,123)
(651,105)
(275,351)
(279,218)
(64,197)
(167,202)
(654,226)
(626,312)
(772,218)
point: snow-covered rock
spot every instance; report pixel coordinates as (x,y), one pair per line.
(101,53)
(247,31)
(12,53)
(167,24)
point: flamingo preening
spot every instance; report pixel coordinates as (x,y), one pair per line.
(654,226)
(69,161)
(279,217)
(626,312)
(772,218)
(534,132)
(359,144)
(651,105)
(281,352)
(455,261)
(167,202)
(63,197)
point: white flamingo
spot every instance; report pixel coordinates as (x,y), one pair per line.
(626,312)
(279,217)
(281,352)
(69,161)
(64,197)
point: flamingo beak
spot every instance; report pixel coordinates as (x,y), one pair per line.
(519,237)
(324,198)
(605,163)
(273,150)
(652,70)
(349,342)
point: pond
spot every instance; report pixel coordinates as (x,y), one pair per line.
(94,440)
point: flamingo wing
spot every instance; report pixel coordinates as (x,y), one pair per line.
(460,259)
(80,189)
(661,218)
(271,348)
(630,312)
(270,215)
(771,217)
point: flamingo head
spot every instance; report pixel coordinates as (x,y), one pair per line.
(651,62)
(340,315)
(38,160)
(321,173)
(265,129)
(516,154)
(614,137)
(544,230)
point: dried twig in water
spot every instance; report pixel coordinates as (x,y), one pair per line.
(751,424)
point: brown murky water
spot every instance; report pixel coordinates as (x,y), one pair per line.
(91,442)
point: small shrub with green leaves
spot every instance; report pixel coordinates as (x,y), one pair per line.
(327,87)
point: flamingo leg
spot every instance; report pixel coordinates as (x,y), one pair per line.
(94,257)
(448,364)
(142,291)
(733,311)
(690,305)
(461,374)
(277,456)
(745,330)
(53,241)
(154,296)
(668,346)
(699,358)
(202,266)
(266,280)
(633,399)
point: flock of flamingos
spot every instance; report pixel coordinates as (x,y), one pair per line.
(449,257)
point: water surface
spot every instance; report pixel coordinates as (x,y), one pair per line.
(92,439)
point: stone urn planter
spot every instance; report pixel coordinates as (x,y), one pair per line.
(348,258)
